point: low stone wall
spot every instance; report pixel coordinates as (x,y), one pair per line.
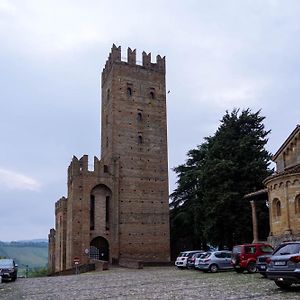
(100,265)
(80,269)
(158,263)
(130,263)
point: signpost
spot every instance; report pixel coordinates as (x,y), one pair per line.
(76,261)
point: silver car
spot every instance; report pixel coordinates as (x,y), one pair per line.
(284,265)
(215,261)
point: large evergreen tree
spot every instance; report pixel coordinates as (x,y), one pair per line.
(216,176)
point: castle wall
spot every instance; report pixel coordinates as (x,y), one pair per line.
(122,205)
(82,184)
(60,234)
(51,251)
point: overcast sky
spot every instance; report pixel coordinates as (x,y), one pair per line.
(220,55)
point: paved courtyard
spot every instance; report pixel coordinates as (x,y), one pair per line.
(148,283)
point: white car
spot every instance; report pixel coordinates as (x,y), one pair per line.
(181,260)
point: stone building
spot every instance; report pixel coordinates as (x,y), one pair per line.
(119,210)
(282,193)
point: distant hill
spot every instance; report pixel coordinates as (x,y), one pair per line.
(33,253)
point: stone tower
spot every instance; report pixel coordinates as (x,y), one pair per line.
(119,210)
(134,132)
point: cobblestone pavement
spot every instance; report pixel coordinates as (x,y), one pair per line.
(148,283)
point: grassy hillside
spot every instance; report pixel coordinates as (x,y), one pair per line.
(26,253)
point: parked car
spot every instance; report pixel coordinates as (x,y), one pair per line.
(8,269)
(191,260)
(197,260)
(244,256)
(261,264)
(181,260)
(215,261)
(284,265)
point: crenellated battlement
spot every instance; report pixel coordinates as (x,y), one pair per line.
(61,204)
(51,233)
(115,57)
(80,166)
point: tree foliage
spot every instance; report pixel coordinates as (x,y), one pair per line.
(208,206)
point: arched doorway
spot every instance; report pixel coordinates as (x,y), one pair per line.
(100,209)
(99,248)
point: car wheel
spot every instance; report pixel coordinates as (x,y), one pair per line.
(213,268)
(251,268)
(239,270)
(283,284)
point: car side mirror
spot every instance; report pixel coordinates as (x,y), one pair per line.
(16,265)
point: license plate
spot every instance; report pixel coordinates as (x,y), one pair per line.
(262,267)
(279,263)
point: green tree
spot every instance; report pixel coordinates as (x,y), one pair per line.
(217,175)
(185,214)
(38,272)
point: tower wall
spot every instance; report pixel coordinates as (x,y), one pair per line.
(134,131)
(121,206)
(51,251)
(82,185)
(60,234)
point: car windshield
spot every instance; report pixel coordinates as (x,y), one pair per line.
(288,249)
(266,249)
(6,263)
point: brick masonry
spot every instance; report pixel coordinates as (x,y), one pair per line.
(121,206)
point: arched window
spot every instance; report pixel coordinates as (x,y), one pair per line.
(129,91)
(140,139)
(139,117)
(276,208)
(297,205)
(152,95)
(107,212)
(92,212)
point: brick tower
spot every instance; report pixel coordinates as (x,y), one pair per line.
(119,210)
(134,132)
